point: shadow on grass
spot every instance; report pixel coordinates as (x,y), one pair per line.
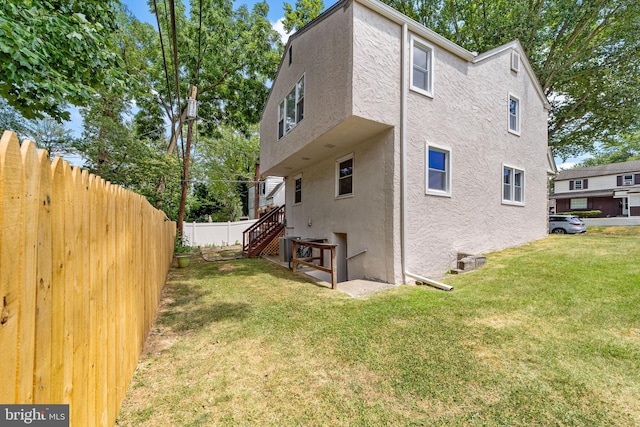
(187,307)
(182,319)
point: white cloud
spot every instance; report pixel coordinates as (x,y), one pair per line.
(279,27)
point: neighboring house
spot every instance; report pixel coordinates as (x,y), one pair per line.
(402,147)
(271,194)
(613,189)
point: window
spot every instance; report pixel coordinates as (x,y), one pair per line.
(578,203)
(577,184)
(291,109)
(512,185)
(438,171)
(344,176)
(421,67)
(514,115)
(297,194)
(628,179)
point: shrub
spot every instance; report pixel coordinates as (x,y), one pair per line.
(582,214)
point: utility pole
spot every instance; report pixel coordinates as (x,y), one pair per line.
(192,113)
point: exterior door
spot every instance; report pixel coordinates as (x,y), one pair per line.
(341,257)
(625,206)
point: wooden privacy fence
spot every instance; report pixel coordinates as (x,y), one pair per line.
(82,265)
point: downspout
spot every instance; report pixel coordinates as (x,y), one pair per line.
(403,167)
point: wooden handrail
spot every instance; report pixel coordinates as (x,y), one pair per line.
(255,235)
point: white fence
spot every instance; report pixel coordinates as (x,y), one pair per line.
(216,233)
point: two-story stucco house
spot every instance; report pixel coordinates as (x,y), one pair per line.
(402,147)
(613,189)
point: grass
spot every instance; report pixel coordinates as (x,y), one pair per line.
(544,334)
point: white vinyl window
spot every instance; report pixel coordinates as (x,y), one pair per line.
(291,109)
(580,203)
(514,114)
(421,67)
(577,184)
(512,185)
(438,176)
(297,194)
(344,176)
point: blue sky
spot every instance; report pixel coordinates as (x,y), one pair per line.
(140,9)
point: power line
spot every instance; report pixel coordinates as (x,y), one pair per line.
(164,58)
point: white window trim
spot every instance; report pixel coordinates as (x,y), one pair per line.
(523,186)
(337,176)
(575,184)
(448,170)
(295,178)
(518,115)
(295,107)
(427,46)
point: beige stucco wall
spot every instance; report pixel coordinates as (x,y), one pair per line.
(469,115)
(352,64)
(327,88)
(362,217)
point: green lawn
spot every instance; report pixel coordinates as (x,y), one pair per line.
(544,334)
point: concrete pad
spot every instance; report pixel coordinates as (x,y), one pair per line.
(356,288)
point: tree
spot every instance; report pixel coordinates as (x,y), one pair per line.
(304,12)
(12,120)
(53,53)
(625,149)
(52,136)
(226,164)
(230,55)
(586,55)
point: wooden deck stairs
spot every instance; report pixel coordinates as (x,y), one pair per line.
(257,237)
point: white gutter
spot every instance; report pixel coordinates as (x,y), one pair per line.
(403,167)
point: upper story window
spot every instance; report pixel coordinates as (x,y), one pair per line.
(628,179)
(421,67)
(514,114)
(512,185)
(297,194)
(344,176)
(438,171)
(291,109)
(579,184)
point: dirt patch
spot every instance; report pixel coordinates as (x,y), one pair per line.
(158,340)
(227,267)
(223,253)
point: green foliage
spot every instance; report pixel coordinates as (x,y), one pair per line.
(305,11)
(54,53)
(624,149)
(586,55)
(52,136)
(231,55)
(582,214)
(225,162)
(113,151)
(182,245)
(12,120)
